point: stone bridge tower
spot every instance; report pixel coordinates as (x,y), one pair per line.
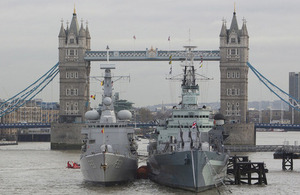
(234,52)
(74,41)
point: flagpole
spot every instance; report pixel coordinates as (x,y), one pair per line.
(134,38)
(169,39)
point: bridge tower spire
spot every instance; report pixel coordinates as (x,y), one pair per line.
(74,84)
(234,52)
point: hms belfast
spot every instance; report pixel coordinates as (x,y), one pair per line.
(187,151)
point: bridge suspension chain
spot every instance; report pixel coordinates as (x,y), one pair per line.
(285,97)
(29,92)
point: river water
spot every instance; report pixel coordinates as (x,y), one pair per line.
(32,168)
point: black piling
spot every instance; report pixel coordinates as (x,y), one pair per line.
(244,171)
(287,159)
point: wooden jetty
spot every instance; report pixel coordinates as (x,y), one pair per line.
(4,143)
(261,148)
(244,171)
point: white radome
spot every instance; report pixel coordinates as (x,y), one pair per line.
(107,101)
(92,115)
(124,115)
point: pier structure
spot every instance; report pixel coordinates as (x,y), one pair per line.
(287,155)
(262,148)
(245,171)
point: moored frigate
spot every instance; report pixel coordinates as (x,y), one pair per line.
(187,149)
(109,150)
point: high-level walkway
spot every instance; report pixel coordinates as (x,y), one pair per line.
(152,55)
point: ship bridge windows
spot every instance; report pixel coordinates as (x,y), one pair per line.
(108,126)
(190,127)
(92,141)
(191,116)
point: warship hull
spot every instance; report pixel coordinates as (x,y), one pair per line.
(189,170)
(108,168)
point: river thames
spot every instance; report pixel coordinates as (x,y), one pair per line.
(32,168)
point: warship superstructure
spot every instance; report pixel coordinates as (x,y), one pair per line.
(187,149)
(109,151)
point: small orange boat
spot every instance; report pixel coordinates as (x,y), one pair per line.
(73,165)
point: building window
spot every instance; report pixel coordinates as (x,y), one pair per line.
(71,75)
(233,74)
(71,40)
(233,92)
(72,52)
(232,52)
(72,92)
(232,40)
(228,92)
(71,108)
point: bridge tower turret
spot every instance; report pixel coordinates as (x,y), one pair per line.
(234,52)
(74,84)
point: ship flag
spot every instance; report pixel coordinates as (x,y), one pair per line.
(93,97)
(102,131)
(201,62)
(134,37)
(102,83)
(169,39)
(170,70)
(194,125)
(170,58)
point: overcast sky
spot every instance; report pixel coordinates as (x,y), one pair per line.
(29,42)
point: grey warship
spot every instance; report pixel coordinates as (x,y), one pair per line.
(187,149)
(109,152)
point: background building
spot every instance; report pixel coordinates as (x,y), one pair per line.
(34,111)
(294,85)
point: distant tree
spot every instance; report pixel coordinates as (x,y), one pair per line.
(144,115)
(162,115)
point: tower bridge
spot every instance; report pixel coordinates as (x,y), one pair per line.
(75,57)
